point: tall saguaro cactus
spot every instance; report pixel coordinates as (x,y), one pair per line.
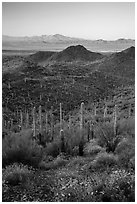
(95,110)
(52,124)
(27,119)
(61,131)
(34,121)
(81,116)
(115,119)
(88,131)
(21,119)
(40,119)
(129,111)
(105,111)
(70,122)
(81,144)
(61,116)
(46,126)
(9,86)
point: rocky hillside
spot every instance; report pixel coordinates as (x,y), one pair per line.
(120,64)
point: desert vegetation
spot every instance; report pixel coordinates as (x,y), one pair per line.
(68,133)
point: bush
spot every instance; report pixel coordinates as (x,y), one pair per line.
(20,148)
(56,163)
(106,137)
(53,148)
(92,148)
(103,161)
(16,174)
(125,151)
(127,127)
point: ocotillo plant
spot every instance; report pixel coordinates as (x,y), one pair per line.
(34,121)
(115,119)
(40,120)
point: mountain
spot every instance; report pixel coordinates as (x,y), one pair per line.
(75,53)
(120,64)
(59,42)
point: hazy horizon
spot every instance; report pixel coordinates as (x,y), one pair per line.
(87,20)
(29,36)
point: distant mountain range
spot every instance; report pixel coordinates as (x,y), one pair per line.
(59,42)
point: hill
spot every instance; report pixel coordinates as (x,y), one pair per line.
(75,53)
(120,64)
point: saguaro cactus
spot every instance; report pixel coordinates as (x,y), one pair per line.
(34,121)
(62,140)
(61,116)
(70,122)
(129,111)
(11,124)
(88,131)
(81,144)
(92,130)
(95,110)
(46,126)
(105,111)
(21,119)
(61,131)
(52,124)
(27,119)
(115,119)
(9,86)
(81,116)
(40,120)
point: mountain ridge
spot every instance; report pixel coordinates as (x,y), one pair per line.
(59,42)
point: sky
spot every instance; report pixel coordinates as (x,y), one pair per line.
(89,20)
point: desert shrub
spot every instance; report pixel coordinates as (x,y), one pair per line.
(92,148)
(105,136)
(56,163)
(103,161)
(16,174)
(132,163)
(20,148)
(79,162)
(125,151)
(53,148)
(127,127)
